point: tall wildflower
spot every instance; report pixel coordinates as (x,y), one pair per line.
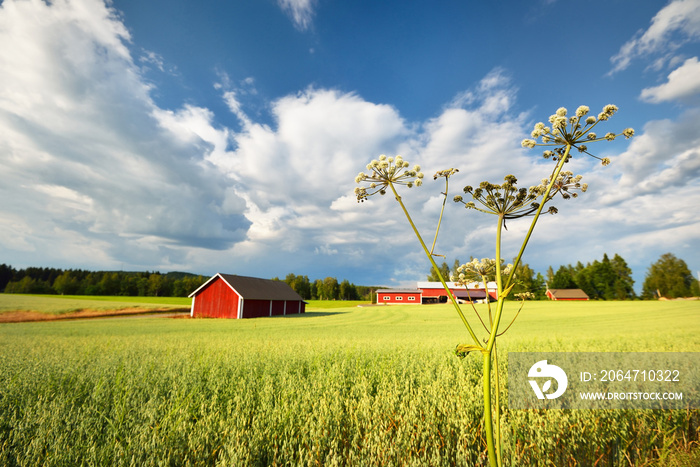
(506,201)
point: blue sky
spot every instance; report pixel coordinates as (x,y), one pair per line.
(221,136)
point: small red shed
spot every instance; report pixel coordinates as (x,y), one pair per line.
(399,296)
(231,296)
(566,294)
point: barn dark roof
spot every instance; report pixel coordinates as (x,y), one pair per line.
(253,288)
(471,293)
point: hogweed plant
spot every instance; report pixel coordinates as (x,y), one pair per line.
(506,201)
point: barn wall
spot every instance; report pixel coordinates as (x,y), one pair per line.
(434,293)
(261,308)
(403,300)
(256,308)
(277,307)
(441,292)
(295,307)
(217,300)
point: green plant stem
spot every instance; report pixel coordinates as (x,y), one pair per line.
(489,408)
(442,210)
(499,282)
(488,416)
(435,266)
(494,459)
(499,444)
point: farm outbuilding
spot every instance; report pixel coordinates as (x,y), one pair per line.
(236,297)
(399,296)
(566,294)
(434,292)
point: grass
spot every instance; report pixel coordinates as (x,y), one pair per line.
(58,304)
(330,304)
(337,386)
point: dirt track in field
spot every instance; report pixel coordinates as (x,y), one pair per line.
(22,316)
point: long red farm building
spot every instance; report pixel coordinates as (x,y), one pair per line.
(434,292)
(237,297)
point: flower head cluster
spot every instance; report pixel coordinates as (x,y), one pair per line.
(447,173)
(505,199)
(573,131)
(385,171)
(476,270)
(567,184)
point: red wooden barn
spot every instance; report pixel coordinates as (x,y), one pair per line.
(399,296)
(230,296)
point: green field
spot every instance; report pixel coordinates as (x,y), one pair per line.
(59,304)
(336,386)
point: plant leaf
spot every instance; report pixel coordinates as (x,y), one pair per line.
(462,350)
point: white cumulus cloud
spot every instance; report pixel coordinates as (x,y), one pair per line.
(91,163)
(674,24)
(683,82)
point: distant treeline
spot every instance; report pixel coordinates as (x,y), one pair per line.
(81,282)
(173,284)
(607,279)
(328,288)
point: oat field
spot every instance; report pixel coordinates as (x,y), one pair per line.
(336,386)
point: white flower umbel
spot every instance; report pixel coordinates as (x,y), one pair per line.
(573,131)
(386,171)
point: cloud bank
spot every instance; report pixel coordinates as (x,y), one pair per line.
(87,156)
(102,177)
